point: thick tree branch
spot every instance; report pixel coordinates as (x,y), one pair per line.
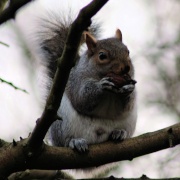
(49,175)
(39,174)
(65,63)
(11,10)
(127,150)
(15,157)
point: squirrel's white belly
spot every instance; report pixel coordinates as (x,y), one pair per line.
(94,130)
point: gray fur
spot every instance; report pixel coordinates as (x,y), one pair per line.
(92,109)
(92,102)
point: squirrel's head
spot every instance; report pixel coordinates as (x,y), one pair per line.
(109,55)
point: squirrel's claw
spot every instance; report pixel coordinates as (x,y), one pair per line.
(79,144)
(118,135)
(126,89)
(106,83)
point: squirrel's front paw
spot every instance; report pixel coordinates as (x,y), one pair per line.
(118,135)
(107,84)
(78,144)
(127,89)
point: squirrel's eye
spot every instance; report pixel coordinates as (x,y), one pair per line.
(102,56)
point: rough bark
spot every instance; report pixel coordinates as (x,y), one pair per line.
(17,156)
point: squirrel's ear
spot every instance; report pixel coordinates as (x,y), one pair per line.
(119,34)
(90,41)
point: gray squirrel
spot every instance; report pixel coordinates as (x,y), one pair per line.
(99,102)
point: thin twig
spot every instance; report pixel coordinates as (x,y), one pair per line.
(12,85)
(4,44)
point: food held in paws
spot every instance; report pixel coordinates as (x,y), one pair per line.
(121,80)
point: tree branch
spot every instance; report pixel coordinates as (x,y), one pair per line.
(2,4)
(34,144)
(49,175)
(4,44)
(39,174)
(11,10)
(62,158)
(65,63)
(31,153)
(15,158)
(12,85)
(3,143)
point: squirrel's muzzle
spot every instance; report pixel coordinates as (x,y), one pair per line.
(121,69)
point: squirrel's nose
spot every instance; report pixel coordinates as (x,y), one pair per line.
(123,70)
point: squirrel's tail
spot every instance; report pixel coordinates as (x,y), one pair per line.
(52,38)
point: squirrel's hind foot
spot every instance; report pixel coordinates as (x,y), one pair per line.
(79,144)
(118,135)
